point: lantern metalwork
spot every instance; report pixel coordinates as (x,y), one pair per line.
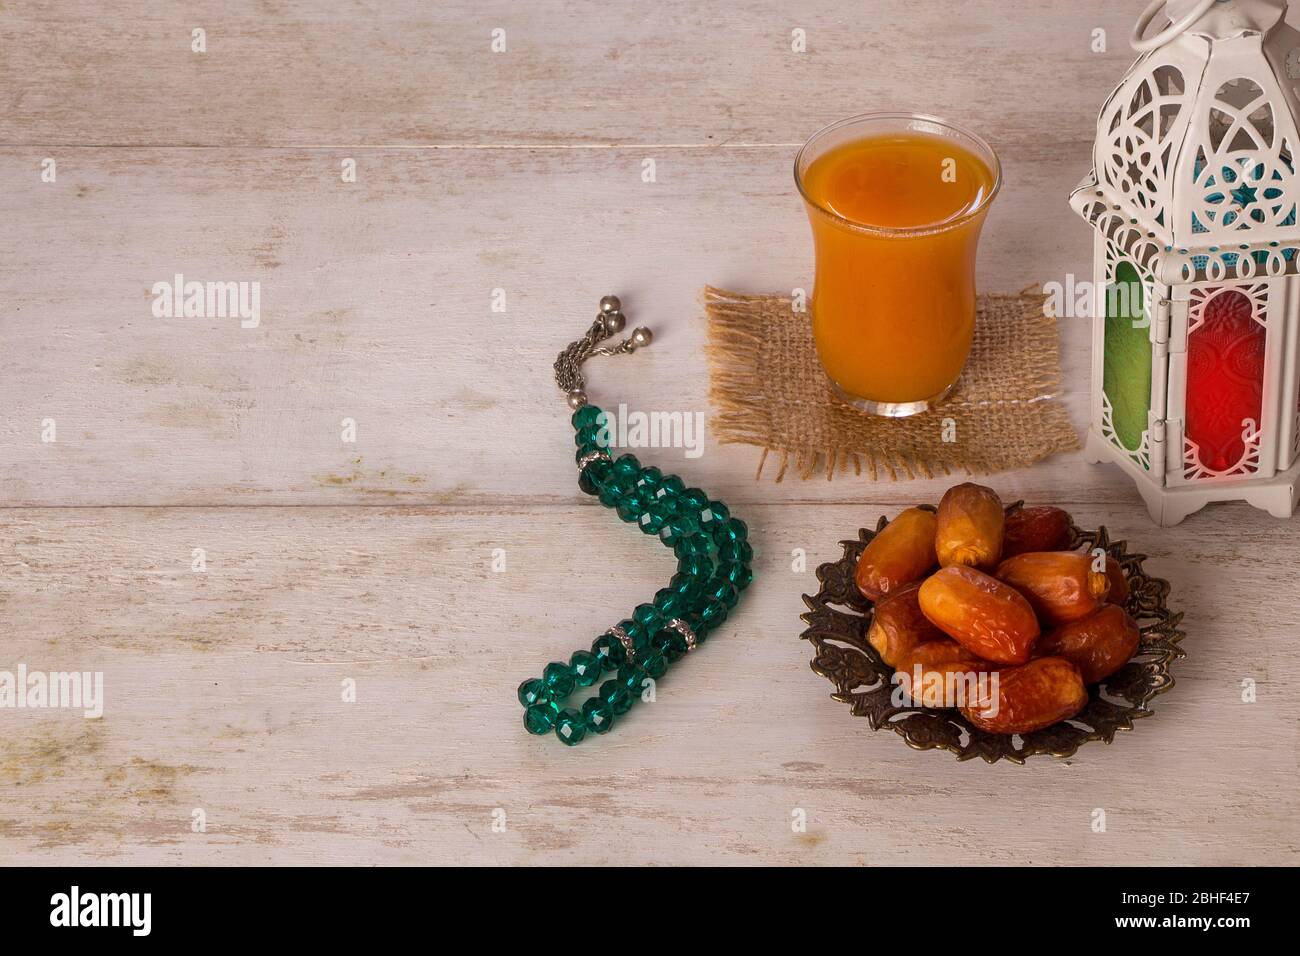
(1193,203)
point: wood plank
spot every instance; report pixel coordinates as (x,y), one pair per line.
(223,693)
(376,305)
(519,171)
(407,72)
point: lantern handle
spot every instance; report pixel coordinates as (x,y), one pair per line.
(1167,34)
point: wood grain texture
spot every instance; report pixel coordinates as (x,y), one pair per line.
(376,305)
(223,693)
(574,73)
(370,561)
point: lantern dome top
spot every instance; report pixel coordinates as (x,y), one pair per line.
(1226,19)
(1195,153)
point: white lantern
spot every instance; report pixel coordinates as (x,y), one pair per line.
(1193,199)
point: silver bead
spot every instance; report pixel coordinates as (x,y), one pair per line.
(641,337)
(591,456)
(610,303)
(613,322)
(684,629)
(577,398)
(629,648)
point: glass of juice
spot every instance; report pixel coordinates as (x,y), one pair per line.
(896,202)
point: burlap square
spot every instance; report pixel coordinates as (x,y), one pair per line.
(770,391)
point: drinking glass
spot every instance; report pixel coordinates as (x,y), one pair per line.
(896,202)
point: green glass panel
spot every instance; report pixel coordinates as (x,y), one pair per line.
(1126,369)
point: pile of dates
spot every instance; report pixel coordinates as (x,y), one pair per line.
(972,589)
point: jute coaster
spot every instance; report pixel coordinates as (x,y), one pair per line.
(770,392)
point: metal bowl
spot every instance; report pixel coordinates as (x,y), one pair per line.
(838,617)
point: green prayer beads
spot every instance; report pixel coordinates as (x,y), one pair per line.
(713,569)
(713,566)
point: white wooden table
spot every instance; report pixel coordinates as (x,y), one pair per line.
(372,561)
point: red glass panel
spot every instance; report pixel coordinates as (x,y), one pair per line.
(1225,379)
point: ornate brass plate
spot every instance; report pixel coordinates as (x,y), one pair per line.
(838,617)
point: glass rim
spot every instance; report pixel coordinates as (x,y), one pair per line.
(926,228)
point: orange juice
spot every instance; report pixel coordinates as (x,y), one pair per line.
(896,213)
